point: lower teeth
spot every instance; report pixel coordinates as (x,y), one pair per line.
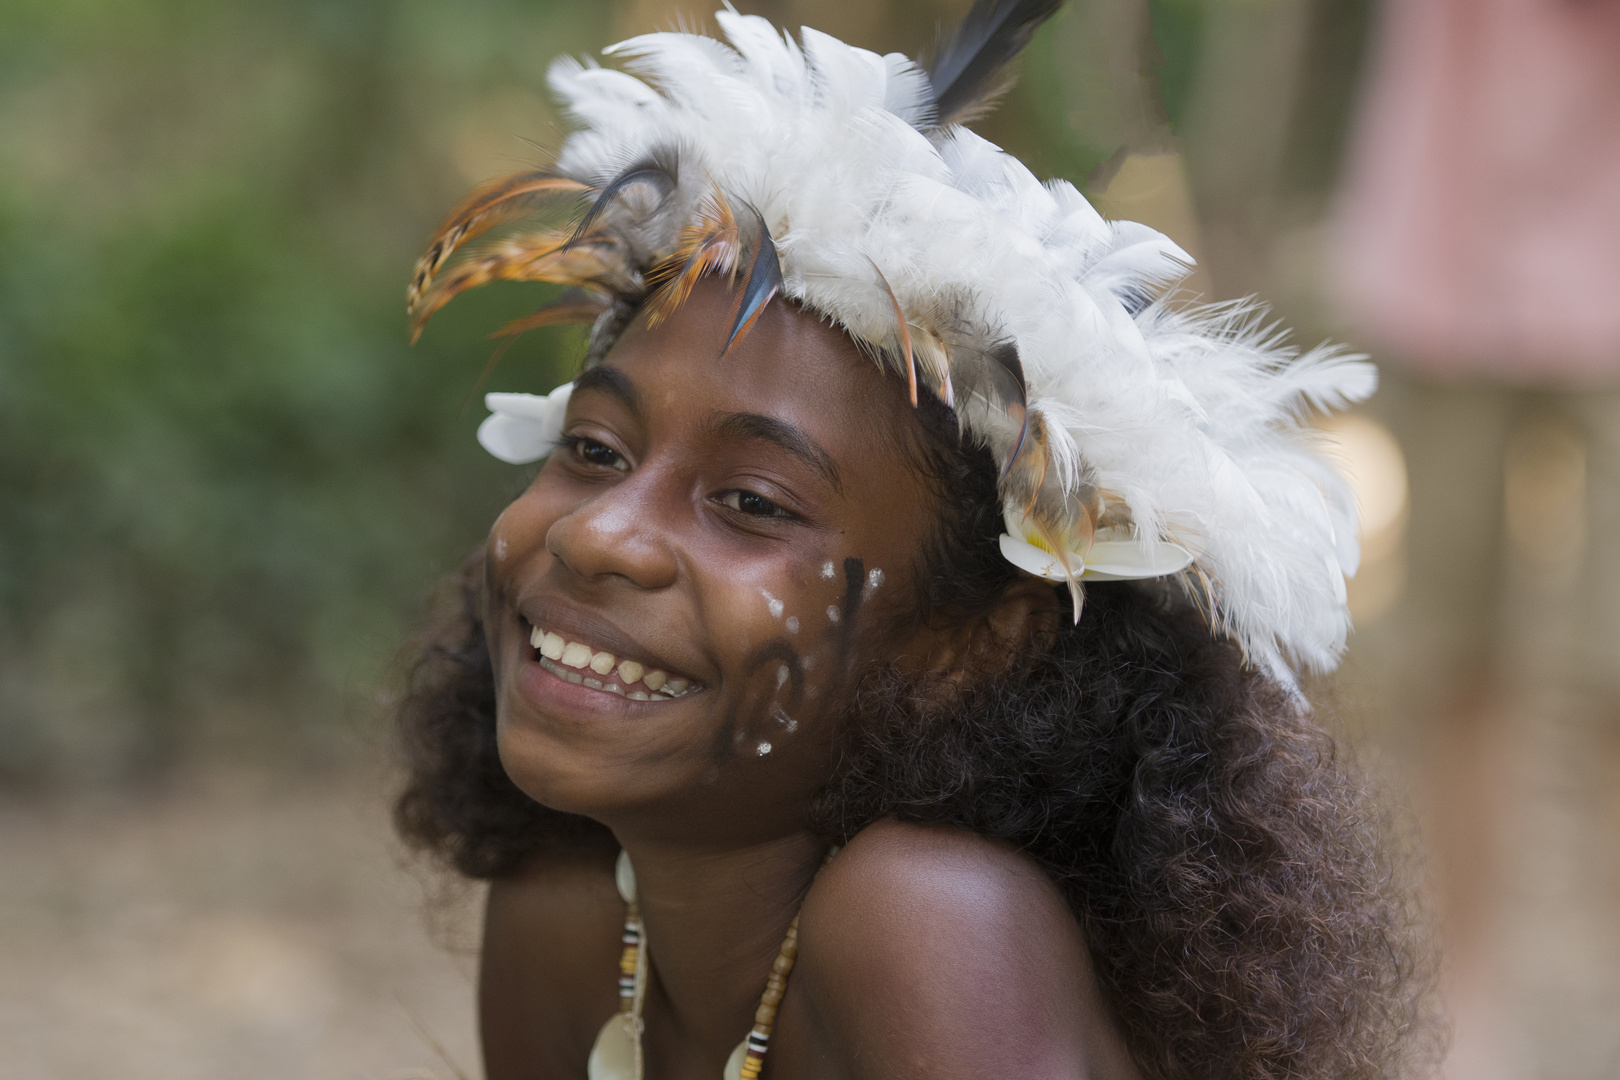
(577,679)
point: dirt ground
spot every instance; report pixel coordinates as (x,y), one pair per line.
(232,927)
(238,926)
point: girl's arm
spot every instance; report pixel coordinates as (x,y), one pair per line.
(549,970)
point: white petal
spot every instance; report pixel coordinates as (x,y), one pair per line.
(515,439)
(1017,527)
(523,427)
(527,406)
(1117,560)
(1109,560)
(1032,560)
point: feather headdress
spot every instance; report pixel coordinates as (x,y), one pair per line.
(1136,438)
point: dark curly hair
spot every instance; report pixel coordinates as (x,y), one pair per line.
(1233,876)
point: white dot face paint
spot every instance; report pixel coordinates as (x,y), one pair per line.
(763,749)
(832,613)
(782,674)
(793,624)
(500,548)
(772,603)
(828,571)
(874,579)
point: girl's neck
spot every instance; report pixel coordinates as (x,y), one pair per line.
(715,921)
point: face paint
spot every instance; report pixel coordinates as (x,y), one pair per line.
(792,664)
(854,578)
(637,544)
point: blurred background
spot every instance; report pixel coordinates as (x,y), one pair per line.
(228,487)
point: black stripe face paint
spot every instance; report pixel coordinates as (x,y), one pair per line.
(790,693)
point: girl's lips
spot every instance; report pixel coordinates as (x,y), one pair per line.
(539,682)
(570,669)
(582,663)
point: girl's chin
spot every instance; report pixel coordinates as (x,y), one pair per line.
(578,750)
(560,776)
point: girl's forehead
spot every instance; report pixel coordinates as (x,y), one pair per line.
(791,365)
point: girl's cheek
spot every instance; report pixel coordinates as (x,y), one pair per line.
(812,655)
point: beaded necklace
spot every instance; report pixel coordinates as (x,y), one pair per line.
(617,1053)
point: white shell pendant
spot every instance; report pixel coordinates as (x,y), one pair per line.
(617,1053)
(624,876)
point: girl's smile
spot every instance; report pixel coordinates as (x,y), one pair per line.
(603,658)
(716,550)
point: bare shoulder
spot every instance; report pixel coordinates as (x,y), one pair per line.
(548,971)
(928,951)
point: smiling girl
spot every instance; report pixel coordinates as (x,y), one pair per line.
(890,670)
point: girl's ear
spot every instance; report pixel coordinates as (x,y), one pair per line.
(987,642)
(1030,606)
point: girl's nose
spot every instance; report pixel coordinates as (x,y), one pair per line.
(618,533)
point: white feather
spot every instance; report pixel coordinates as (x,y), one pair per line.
(1190,419)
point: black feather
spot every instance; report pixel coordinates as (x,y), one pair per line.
(763,283)
(992,379)
(1007,373)
(659,168)
(966,73)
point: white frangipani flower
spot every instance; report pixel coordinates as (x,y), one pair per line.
(1106,559)
(522,428)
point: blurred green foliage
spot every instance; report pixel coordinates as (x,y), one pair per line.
(1177,29)
(226,482)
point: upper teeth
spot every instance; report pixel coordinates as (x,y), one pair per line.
(559,656)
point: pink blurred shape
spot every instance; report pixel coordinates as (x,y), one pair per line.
(1479,228)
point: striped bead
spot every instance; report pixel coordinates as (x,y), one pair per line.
(759,1039)
(629,959)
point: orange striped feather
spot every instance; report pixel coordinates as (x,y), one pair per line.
(581,308)
(596,262)
(903,326)
(490,204)
(710,243)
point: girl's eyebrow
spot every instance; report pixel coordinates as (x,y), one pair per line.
(746,426)
(781,434)
(612,381)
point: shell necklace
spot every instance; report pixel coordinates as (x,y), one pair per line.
(617,1053)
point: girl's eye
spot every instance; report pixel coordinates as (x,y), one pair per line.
(592,452)
(752,504)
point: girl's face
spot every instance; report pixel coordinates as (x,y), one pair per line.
(709,560)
